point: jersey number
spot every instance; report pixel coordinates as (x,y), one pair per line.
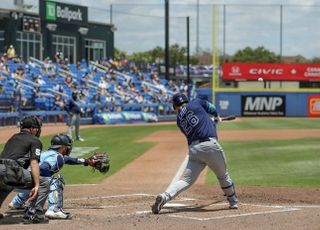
(189,121)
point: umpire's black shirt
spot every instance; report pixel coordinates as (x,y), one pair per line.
(23,147)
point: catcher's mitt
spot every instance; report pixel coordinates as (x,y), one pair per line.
(99,161)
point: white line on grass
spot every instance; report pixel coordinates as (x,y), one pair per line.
(112,196)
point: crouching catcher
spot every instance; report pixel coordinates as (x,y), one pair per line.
(51,161)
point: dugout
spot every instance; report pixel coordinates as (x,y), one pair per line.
(58,27)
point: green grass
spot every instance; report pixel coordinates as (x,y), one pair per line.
(277,163)
(273,163)
(118,142)
(272,123)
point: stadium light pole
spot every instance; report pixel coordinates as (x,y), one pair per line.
(197,48)
(167,56)
(111,14)
(188,57)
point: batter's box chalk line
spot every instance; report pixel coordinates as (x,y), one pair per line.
(277,209)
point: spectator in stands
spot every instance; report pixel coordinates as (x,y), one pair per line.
(68,80)
(58,87)
(79,66)
(84,79)
(58,57)
(40,81)
(173,86)
(2,90)
(103,86)
(58,102)
(19,73)
(50,69)
(74,110)
(11,52)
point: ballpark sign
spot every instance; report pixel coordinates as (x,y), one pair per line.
(65,13)
(263,105)
(270,71)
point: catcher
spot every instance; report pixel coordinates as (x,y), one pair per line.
(51,161)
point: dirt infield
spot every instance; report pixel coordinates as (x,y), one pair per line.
(123,200)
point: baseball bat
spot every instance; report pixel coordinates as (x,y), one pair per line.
(228,118)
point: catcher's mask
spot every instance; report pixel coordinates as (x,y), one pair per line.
(179,99)
(31,122)
(61,140)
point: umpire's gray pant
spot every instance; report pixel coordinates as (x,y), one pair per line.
(38,202)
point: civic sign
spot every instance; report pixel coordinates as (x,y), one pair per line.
(65,13)
(270,71)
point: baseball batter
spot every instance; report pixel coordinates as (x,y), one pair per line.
(204,149)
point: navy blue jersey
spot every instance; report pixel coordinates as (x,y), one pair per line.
(73,107)
(194,121)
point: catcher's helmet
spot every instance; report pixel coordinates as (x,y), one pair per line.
(179,99)
(31,122)
(61,140)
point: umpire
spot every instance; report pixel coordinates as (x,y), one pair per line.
(19,167)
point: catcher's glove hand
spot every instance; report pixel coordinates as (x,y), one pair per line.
(99,161)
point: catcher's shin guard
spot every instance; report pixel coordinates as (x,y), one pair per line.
(55,197)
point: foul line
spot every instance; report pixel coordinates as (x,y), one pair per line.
(112,196)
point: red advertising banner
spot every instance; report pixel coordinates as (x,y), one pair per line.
(270,71)
(314,106)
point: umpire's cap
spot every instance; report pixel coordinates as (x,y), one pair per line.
(179,99)
(59,140)
(30,122)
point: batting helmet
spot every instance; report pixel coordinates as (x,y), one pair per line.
(60,140)
(179,99)
(31,122)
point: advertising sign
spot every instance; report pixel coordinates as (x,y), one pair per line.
(263,105)
(270,71)
(65,13)
(124,117)
(314,106)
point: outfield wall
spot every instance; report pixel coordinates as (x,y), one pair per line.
(282,104)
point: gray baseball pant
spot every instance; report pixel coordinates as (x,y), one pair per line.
(201,154)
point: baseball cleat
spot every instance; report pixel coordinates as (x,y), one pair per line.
(233,206)
(160,201)
(13,206)
(60,214)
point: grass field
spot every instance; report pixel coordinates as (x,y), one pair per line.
(273,163)
(277,163)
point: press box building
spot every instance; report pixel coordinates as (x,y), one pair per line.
(58,27)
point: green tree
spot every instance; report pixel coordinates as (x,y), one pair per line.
(260,54)
(178,55)
(119,53)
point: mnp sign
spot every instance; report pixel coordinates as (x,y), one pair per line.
(263,105)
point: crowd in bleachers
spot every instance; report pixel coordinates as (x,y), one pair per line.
(104,86)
